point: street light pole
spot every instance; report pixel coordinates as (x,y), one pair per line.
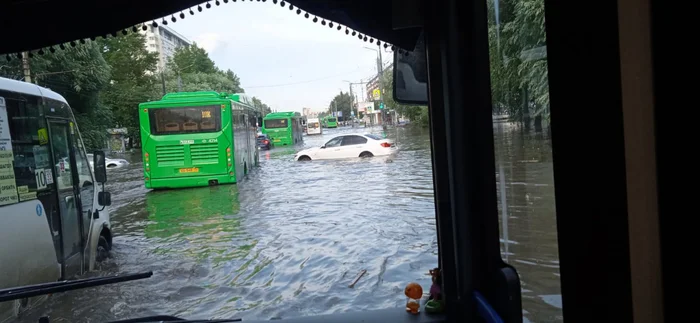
(353,98)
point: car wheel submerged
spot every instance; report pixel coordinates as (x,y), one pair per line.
(304,158)
(103,248)
(366,154)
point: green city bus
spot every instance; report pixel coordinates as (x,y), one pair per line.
(331,122)
(197,139)
(283,128)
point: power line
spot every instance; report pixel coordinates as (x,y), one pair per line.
(302,82)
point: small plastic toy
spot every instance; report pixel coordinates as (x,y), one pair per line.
(414,292)
(435,303)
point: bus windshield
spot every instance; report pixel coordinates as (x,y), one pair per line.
(169,121)
(331,120)
(276,123)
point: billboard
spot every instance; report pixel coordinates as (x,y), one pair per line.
(367,107)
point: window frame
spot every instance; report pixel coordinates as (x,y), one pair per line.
(216,115)
(342,143)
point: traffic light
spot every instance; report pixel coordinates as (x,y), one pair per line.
(381,105)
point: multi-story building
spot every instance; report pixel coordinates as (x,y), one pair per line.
(373,83)
(163,40)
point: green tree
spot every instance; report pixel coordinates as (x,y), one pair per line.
(517,82)
(192,82)
(341,102)
(234,78)
(132,81)
(192,59)
(78,74)
(260,106)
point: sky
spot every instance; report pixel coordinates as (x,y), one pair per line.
(284,59)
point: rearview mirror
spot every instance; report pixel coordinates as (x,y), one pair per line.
(104,198)
(100,167)
(411,75)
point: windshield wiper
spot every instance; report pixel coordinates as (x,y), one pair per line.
(10,294)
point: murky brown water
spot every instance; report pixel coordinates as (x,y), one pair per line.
(289,239)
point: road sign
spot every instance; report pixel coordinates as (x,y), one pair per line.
(340,113)
(376,94)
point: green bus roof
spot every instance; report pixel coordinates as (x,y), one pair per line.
(178,97)
(242,98)
(278,115)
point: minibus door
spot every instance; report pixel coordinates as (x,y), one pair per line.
(61,133)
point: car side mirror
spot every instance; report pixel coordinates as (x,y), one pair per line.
(104,198)
(100,167)
(323,147)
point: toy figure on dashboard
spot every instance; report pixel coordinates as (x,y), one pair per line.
(435,302)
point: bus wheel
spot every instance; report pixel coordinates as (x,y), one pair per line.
(102,249)
(366,154)
(304,158)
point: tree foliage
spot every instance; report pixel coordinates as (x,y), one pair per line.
(132,80)
(197,72)
(105,80)
(516,83)
(192,59)
(198,81)
(79,74)
(260,106)
(342,102)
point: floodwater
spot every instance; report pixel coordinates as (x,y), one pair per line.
(290,238)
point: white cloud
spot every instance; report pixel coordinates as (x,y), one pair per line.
(209,41)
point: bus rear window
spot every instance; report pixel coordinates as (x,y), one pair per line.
(170,121)
(313,125)
(276,123)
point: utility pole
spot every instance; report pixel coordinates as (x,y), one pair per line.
(25,66)
(179,82)
(353,97)
(162,79)
(380,72)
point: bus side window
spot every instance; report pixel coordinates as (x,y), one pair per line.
(24,122)
(33,165)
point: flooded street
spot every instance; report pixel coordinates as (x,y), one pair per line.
(289,239)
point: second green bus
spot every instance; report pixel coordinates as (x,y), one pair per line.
(283,128)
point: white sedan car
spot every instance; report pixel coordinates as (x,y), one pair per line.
(349,146)
(109,162)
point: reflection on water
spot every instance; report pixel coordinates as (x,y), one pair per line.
(528,226)
(289,239)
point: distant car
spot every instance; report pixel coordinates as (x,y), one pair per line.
(349,146)
(264,142)
(109,162)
